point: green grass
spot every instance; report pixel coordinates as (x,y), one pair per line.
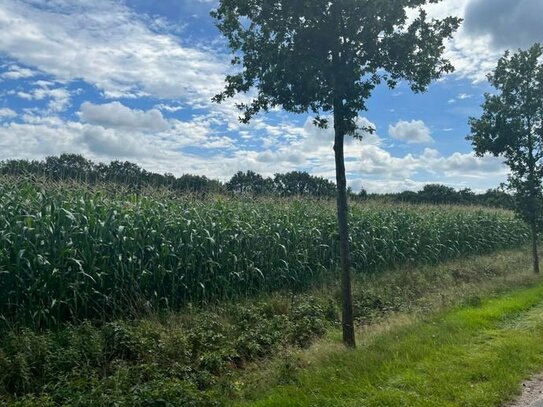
(472,356)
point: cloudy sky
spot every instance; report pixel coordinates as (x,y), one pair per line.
(133,80)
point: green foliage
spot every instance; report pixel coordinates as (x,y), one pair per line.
(316,55)
(70,253)
(291,184)
(297,183)
(148,363)
(259,331)
(74,167)
(249,183)
(512,126)
(442,194)
(308,322)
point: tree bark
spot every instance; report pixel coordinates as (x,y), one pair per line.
(535,254)
(533,187)
(343,224)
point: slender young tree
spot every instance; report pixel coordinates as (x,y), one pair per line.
(327,56)
(512,127)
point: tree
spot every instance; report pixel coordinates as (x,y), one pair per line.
(438,194)
(363,194)
(196,184)
(497,198)
(69,166)
(123,172)
(327,56)
(22,167)
(511,127)
(249,183)
(466,196)
(300,183)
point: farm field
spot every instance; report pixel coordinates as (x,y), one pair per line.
(70,253)
(150,298)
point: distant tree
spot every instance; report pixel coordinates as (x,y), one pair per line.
(328,56)
(408,197)
(293,183)
(512,127)
(69,166)
(197,184)
(78,168)
(438,194)
(466,196)
(249,183)
(324,187)
(299,183)
(497,198)
(362,194)
(123,172)
(22,167)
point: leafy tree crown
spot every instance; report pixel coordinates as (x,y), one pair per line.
(511,125)
(323,55)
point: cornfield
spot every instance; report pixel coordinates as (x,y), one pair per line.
(69,252)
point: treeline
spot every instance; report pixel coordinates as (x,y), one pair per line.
(75,167)
(442,194)
(296,183)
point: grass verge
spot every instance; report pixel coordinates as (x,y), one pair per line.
(475,355)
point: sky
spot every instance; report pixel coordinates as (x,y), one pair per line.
(133,80)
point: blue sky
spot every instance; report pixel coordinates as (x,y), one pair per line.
(133,80)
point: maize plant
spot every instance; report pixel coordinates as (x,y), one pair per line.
(70,252)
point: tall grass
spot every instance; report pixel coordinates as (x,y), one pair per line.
(69,253)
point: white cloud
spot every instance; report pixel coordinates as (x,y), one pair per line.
(17,72)
(59,98)
(380,171)
(109,143)
(32,141)
(117,116)
(107,45)
(489,28)
(472,53)
(7,113)
(413,132)
(169,108)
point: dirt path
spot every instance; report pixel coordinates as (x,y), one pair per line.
(532,395)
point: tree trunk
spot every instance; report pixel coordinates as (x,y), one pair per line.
(345,253)
(535,254)
(533,187)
